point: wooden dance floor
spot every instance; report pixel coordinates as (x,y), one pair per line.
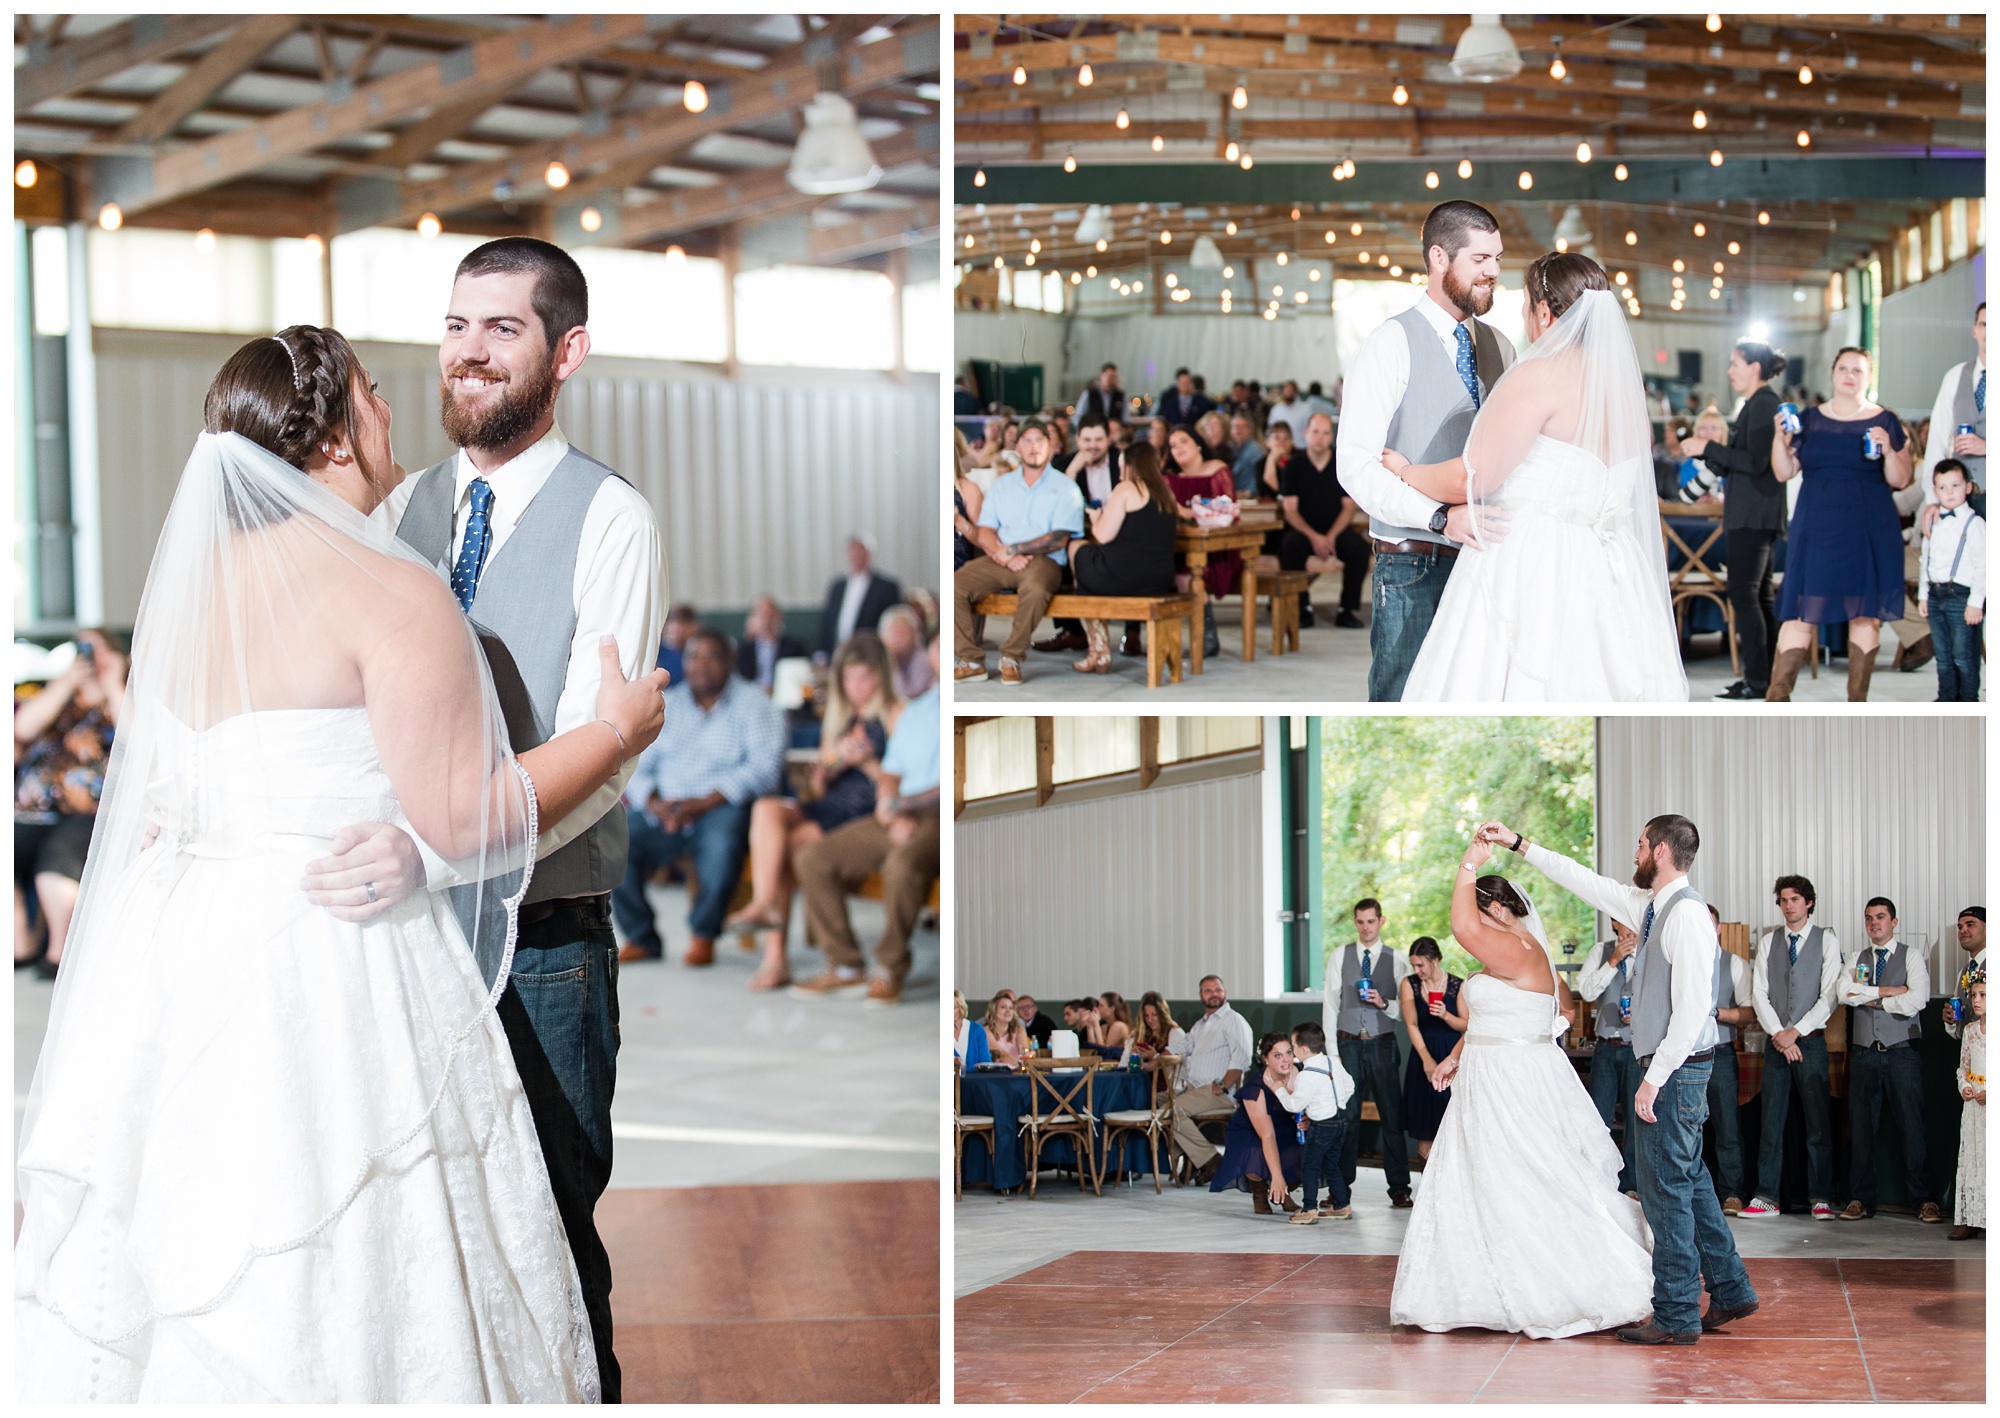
(1106,1327)
(813,1293)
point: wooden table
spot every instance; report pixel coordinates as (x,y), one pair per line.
(1246,534)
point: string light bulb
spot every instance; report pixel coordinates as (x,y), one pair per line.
(1103,245)
(1583,152)
(677,256)
(1805,73)
(1527,179)
(694,96)
(1715,157)
(1714,24)
(1557,70)
(1230,153)
(1631,238)
(1239,99)
(1166,237)
(1246,162)
(1069,162)
(1679,265)
(1465,167)
(110,216)
(1085,77)
(1355,230)
(1620,172)
(1700,118)
(1701,228)
(590,219)
(1020,75)
(1124,119)
(1805,138)
(1158,143)
(1400,97)
(1735,249)
(968,241)
(1229,229)
(1035,244)
(204,240)
(1763,219)
(26,173)
(1329,238)
(556,175)
(1431,180)
(428,225)
(979,178)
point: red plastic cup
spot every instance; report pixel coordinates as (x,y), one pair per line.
(1436,997)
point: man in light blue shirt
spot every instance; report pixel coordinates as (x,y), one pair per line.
(722,748)
(1025,527)
(900,841)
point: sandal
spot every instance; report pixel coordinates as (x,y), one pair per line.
(751,919)
(763,981)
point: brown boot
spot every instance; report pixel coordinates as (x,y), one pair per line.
(1098,635)
(1785,674)
(1860,670)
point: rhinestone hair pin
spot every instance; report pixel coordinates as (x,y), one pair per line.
(298,376)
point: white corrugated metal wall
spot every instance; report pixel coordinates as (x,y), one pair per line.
(1144,891)
(756,481)
(1926,329)
(1862,807)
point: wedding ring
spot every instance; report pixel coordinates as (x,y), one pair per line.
(371,891)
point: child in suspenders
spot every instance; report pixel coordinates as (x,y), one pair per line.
(1951,583)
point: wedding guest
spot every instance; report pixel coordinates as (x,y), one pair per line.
(1006,1040)
(1969,1208)
(968,1040)
(1038,1025)
(967,497)
(1319,519)
(1114,1022)
(1887,984)
(855,601)
(1095,467)
(1734,1012)
(1845,562)
(1192,471)
(1025,528)
(1318,403)
(1951,584)
(1363,982)
(1158,1035)
(1157,429)
(1246,458)
(1131,551)
(1261,1149)
(1182,403)
(1961,404)
(1971,940)
(1428,997)
(765,643)
(1120,430)
(1102,398)
(721,748)
(1279,446)
(1606,981)
(682,621)
(1218,1054)
(902,632)
(1753,507)
(1795,982)
(1291,410)
(1318,1098)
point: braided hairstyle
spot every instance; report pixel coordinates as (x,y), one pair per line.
(286,392)
(1561,278)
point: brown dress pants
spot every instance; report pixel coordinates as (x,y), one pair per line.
(1035,585)
(838,862)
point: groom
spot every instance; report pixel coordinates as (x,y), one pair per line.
(1415,386)
(1673,1036)
(547,550)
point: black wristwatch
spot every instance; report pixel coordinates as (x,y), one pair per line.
(1439,518)
(1516,848)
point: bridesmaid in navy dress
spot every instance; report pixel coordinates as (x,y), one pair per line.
(1261,1153)
(1845,562)
(1434,1031)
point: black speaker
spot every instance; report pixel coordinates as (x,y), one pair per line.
(1690,366)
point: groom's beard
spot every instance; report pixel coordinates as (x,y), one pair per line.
(504,420)
(1468,300)
(1644,873)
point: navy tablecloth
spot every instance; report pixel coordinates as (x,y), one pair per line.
(1004,1098)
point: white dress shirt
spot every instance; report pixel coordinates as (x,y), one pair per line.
(850,605)
(1941,549)
(1904,1006)
(1293,415)
(1377,379)
(1944,426)
(1814,1019)
(1688,942)
(1336,968)
(1217,1044)
(617,588)
(1595,978)
(1320,1088)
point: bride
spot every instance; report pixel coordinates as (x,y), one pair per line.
(276,1150)
(1519,1224)
(1573,605)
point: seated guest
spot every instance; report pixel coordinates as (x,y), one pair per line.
(765,643)
(723,746)
(1279,446)
(1795,983)
(1095,467)
(1192,471)
(968,1041)
(1120,430)
(902,632)
(1951,584)
(1318,403)
(1262,1148)
(1006,1040)
(1157,1034)
(900,840)
(1291,410)
(1024,528)
(1319,517)
(855,601)
(1218,1052)
(681,623)
(1694,480)
(1038,1025)
(1970,1189)
(1113,1027)
(1246,457)
(1131,551)
(862,709)
(1429,998)
(967,497)
(1318,1097)
(1211,430)
(1887,984)
(1157,429)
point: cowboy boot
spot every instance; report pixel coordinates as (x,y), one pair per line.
(1860,670)
(1785,674)
(1097,635)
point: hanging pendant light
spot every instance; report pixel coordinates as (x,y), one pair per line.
(832,156)
(1486,52)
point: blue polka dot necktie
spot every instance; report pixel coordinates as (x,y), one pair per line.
(1646,930)
(1795,949)
(1979,393)
(1881,960)
(472,555)
(1468,373)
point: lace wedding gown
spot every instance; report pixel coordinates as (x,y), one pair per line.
(1519,1225)
(1568,606)
(290,1157)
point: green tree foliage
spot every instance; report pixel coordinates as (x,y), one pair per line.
(1401,796)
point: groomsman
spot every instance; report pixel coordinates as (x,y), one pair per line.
(1606,980)
(1733,1011)
(1360,1013)
(1795,982)
(1887,983)
(1971,940)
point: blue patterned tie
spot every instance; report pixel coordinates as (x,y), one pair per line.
(1979,393)
(1468,373)
(478,536)
(1646,930)
(1881,959)
(1795,948)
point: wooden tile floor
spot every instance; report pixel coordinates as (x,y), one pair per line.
(808,1293)
(1115,1327)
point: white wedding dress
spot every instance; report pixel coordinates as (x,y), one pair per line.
(283,1157)
(1519,1225)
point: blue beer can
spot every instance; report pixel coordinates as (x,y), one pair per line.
(1873,444)
(1625,1004)
(1788,419)
(1966,430)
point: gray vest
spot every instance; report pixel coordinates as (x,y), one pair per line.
(1435,417)
(1963,410)
(1878,1026)
(1792,986)
(1653,985)
(1356,1017)
(1725,996)
(1605,1010)
(526,619)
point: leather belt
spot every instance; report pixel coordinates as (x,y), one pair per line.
(1361,1038)
(1881,1048)
(1703,1057)
(589,912)
(1437,551)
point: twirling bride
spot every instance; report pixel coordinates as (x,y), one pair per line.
(1573,603)
(1519,1224)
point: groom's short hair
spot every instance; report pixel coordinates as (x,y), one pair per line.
(1677,835)
(1451,225)
(562,296)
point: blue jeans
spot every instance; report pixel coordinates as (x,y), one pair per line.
(1373,1066)
(1723,1112)
(1955,643)
(1894,1075)
(718,841)
(560,1012)
(1323,1146)
(1407,591)
(1691,1241)
(1808,1080)
(1614,1078)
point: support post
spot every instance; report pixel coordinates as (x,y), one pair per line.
(85,514)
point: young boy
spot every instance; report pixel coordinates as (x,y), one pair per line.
(1951,585)
(1321,1089)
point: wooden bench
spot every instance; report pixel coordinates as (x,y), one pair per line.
(1285,587)
(1169,622)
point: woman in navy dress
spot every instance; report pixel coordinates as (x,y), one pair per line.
(1434,1031)
(1845,562)
(1262,1153)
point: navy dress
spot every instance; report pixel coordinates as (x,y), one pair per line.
(1243,1150)
(1846,556)
(1423,1105)
(852,793)
(962,550)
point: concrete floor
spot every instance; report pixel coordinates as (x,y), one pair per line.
(1332,666)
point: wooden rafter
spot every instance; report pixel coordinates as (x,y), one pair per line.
(64,67)
(872,233)
(206,77)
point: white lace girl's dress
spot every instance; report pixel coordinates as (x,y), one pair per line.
(1971,1189)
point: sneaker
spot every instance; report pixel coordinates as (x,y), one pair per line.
(1929,1214)
(1010,671)
(828,985)
(883,993)
(1304,1218)
(1732,1206)
(1761,1207)
(1823,1211)
(963,671)
(1337,1213)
